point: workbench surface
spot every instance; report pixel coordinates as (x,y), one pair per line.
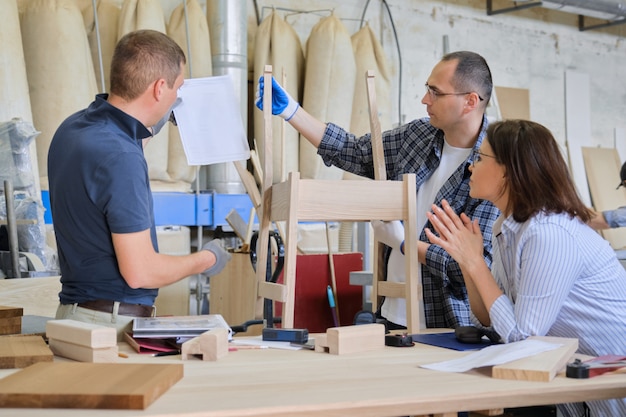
(272,382)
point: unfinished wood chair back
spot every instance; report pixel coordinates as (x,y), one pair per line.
(298,199)
(410,291)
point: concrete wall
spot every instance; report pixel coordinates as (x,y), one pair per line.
(528,49)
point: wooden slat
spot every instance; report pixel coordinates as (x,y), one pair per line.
(22,351)
(88,385)
(378,154)
(541,367)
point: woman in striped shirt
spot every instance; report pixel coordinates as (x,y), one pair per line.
(552,274)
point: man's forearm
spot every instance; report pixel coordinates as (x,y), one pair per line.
(311,128)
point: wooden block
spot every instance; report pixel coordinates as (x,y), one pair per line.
(22,351)
(88,385)
(351,339)
(7,311)
(11,325)
(80,333)
(212,345)
(83,353)
(541,367)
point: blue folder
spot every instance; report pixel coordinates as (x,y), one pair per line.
(449,341)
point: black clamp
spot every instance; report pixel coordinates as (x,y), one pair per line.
(577,369)
(399,340)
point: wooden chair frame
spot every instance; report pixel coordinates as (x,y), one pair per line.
(299,199)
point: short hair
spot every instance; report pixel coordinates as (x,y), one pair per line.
(142,57)
(536,175)
(472,73)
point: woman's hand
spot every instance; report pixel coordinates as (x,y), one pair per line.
(459,236)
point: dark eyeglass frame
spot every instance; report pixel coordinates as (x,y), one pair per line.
(477,157)
(436,94)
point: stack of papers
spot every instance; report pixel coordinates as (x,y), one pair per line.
(179,327)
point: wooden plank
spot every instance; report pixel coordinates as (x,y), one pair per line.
(23,351)
(578,127)
(88,385)
(11,325)
(8,311)
(514,102)
(602,166)
(378,153)
(542,367)
(39,297)
(81,333)
(83,353)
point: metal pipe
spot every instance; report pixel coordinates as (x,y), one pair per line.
(228,28)
(14,248)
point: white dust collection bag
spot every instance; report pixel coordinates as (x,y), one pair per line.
(13,82)
(369,55)
(328,88)
(200,63)
(278,45)
(60,72)
(148,14)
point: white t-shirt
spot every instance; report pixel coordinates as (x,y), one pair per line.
(394,309)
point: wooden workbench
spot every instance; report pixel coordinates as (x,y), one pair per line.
(388,382)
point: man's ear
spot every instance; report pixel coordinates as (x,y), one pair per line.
(472,100)
(157,88)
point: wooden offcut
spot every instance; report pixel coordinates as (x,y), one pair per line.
(88,385)
(211,345)
(83,353)
(351,339)
(81,333)
(541,367)
(8,311)
(11,320)
(22,351)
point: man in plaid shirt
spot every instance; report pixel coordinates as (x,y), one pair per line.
(438,149)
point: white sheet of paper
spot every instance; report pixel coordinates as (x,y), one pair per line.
(494,355)
(258,341)
(209,121)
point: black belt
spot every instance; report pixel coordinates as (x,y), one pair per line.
(125,309)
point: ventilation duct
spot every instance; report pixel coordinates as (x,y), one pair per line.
(613,11)
(600,9)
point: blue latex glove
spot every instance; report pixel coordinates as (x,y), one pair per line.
(222,256)
(168,117)
(283,104)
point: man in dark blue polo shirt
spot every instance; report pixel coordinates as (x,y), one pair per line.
(100,195)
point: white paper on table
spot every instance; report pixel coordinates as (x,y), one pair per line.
(209,121)
(258,341)
(494,355)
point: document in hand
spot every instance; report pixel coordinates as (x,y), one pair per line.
(178,326)
(209,121)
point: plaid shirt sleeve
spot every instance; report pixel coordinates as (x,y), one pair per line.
(446,303)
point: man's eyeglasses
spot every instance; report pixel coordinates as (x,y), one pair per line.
(478,156)
(434,94)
